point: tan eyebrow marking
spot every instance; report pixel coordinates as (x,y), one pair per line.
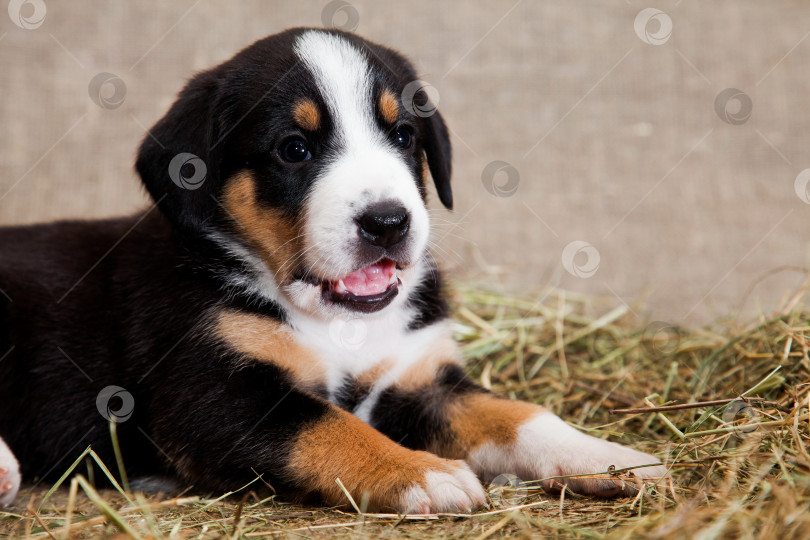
(389,106)
(307,115)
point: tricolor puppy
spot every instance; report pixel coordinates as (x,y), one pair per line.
(276,313)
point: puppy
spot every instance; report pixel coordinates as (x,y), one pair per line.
(275,312)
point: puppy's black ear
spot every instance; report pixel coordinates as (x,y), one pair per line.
(179,161)
(439,156)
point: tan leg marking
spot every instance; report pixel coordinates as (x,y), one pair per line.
(274,236)
(307,115)
(444,351)
(478,419)
(340,445)
(270,341)
(374,373)
(389,106)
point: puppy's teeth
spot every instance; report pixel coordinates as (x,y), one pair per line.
(392,278)
(341,287)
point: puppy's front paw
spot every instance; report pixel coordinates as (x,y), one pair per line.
(9,475)
(598,456)
(546,447)
(450,486)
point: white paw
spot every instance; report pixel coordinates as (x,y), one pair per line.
(451,489)
(598,456)
(9,475)
(547,447)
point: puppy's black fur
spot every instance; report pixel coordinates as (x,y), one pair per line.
(89,304)
(170,310)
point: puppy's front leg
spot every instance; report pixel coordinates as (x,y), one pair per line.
(253,420)
(372,466)
(454,418)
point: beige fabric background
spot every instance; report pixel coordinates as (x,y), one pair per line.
(614,141)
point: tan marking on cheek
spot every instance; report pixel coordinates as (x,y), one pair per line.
(477,419)
(444,351)
(389,106)
(276,238)
(340,445)
(307,115)
(267,340)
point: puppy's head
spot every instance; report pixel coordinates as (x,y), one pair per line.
(300,156)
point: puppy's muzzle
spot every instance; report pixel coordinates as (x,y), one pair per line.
(384,224)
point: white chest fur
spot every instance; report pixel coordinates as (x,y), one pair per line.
(349,347)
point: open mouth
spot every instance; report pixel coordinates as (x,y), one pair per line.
(367,290)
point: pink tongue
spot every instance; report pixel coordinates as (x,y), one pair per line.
(372,279)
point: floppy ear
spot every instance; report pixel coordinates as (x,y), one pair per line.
(439,154)
(179,159)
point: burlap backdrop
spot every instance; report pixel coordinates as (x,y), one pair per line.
(611,132)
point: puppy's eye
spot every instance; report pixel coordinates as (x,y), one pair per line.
(295,151)
(402,137)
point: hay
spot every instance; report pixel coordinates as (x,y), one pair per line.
(727,408)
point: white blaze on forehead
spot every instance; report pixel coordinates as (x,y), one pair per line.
(365,167)
(343,75)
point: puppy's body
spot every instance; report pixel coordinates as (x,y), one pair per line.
(276,314)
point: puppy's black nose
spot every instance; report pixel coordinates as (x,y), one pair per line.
(384,224)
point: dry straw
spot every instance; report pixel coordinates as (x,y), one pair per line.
(727,408)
